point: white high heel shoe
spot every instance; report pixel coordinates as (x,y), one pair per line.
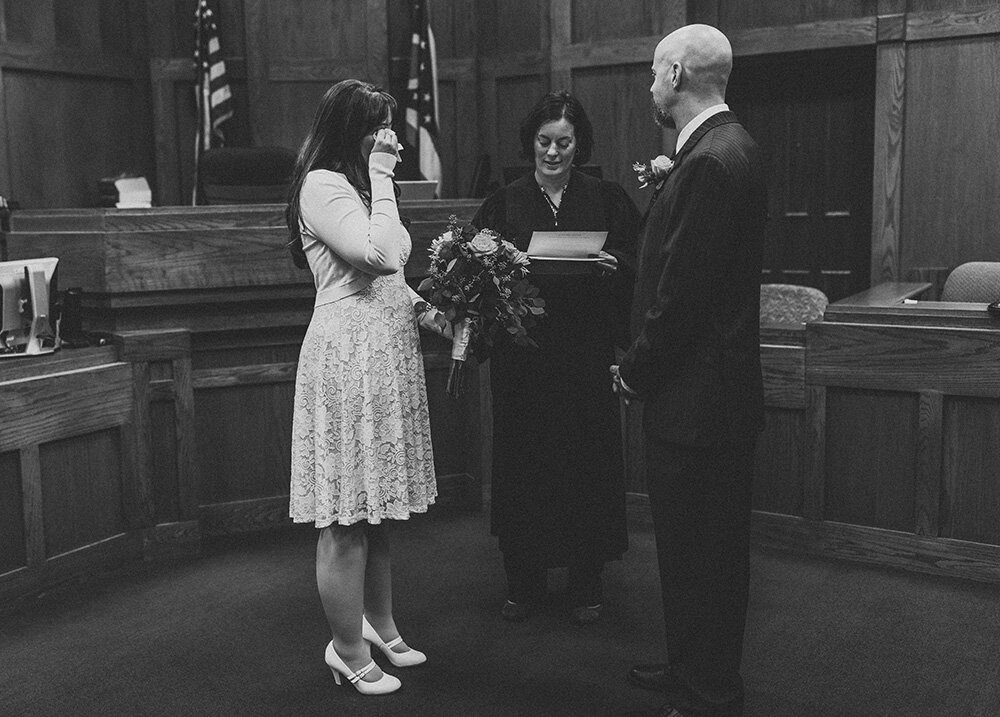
(400,659)
(383,686)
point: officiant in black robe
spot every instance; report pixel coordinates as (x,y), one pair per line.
(558,486)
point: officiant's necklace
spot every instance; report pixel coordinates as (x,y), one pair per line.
(561,193)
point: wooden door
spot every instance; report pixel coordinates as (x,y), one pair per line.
(813,116)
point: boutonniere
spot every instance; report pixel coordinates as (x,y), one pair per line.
(655,171)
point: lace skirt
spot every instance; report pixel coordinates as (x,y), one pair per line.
(361,442)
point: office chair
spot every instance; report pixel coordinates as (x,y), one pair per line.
(975,281)
(245,175)
(791,304)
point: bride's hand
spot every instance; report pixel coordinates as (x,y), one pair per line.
(385,141)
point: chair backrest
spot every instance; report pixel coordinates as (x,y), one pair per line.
(246,175)
(976,281)
(791,304)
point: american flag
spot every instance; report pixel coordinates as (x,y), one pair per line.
(215,102)
(421,99)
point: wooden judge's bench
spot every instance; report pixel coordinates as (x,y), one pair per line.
(180,425)
(882,438)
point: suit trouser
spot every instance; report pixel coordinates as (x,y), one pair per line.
(700,503)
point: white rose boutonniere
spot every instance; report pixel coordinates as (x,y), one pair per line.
(655,171)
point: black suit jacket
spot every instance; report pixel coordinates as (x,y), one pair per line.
(695,358)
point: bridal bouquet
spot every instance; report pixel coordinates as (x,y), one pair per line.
(479,276)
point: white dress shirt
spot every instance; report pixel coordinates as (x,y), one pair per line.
(698,121)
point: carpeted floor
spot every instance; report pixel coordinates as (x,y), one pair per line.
(239,631)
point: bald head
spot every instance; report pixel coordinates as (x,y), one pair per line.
(705,57)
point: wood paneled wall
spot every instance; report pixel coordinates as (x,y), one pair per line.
(94,87)
(74,98)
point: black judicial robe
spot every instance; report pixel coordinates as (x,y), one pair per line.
(558,486)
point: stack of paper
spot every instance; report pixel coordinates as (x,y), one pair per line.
(133,193)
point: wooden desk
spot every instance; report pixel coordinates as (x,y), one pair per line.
(75,462)
(208,313)
(894,457)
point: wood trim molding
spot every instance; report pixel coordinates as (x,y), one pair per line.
(934,25)
(560,24)
(6,181)
(814,477)
(206,378)
(317,69)
(243,515)
(66,404)
(516,64)
(456,69)
(377,52)
(184,428)
(878,546)
(34,519)
(804,36)
(891,28)
(17,56)
(887,182)
(137,463)
(255,32)
(635,50)
(181,69)
(930,440)
(105,554)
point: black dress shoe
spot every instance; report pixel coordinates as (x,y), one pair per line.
(514,611)
(669,711)
(654,676)
(586,614)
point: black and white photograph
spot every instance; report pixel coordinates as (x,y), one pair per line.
(500,358)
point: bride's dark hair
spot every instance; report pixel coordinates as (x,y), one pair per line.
(348,111)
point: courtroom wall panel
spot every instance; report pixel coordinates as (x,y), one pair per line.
(508,27)
(82,490)
(74,99)
(870,458)
(12,543)
(970,496)
(515,96)
(740,15)
(951,172)
(594,21)
(781,462)
(812,113)
(618,102)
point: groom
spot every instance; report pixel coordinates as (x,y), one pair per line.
(695,363)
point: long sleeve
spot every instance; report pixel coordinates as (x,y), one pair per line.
(333,213)
(690,281)
(491,213)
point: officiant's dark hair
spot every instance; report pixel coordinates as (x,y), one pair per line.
(551,108)
(349,110)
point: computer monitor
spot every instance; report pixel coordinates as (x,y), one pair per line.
(27,295)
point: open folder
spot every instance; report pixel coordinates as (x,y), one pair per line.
(566,246)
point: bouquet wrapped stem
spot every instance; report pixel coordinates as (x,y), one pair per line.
(456,379)
(477,282)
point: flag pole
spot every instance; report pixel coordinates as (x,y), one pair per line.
(198,102)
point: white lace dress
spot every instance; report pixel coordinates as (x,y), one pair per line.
(361,443)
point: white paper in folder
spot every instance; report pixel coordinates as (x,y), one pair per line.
(566,246)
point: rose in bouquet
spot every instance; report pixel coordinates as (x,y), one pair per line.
(479,280)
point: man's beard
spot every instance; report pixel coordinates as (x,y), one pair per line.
(662,118)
